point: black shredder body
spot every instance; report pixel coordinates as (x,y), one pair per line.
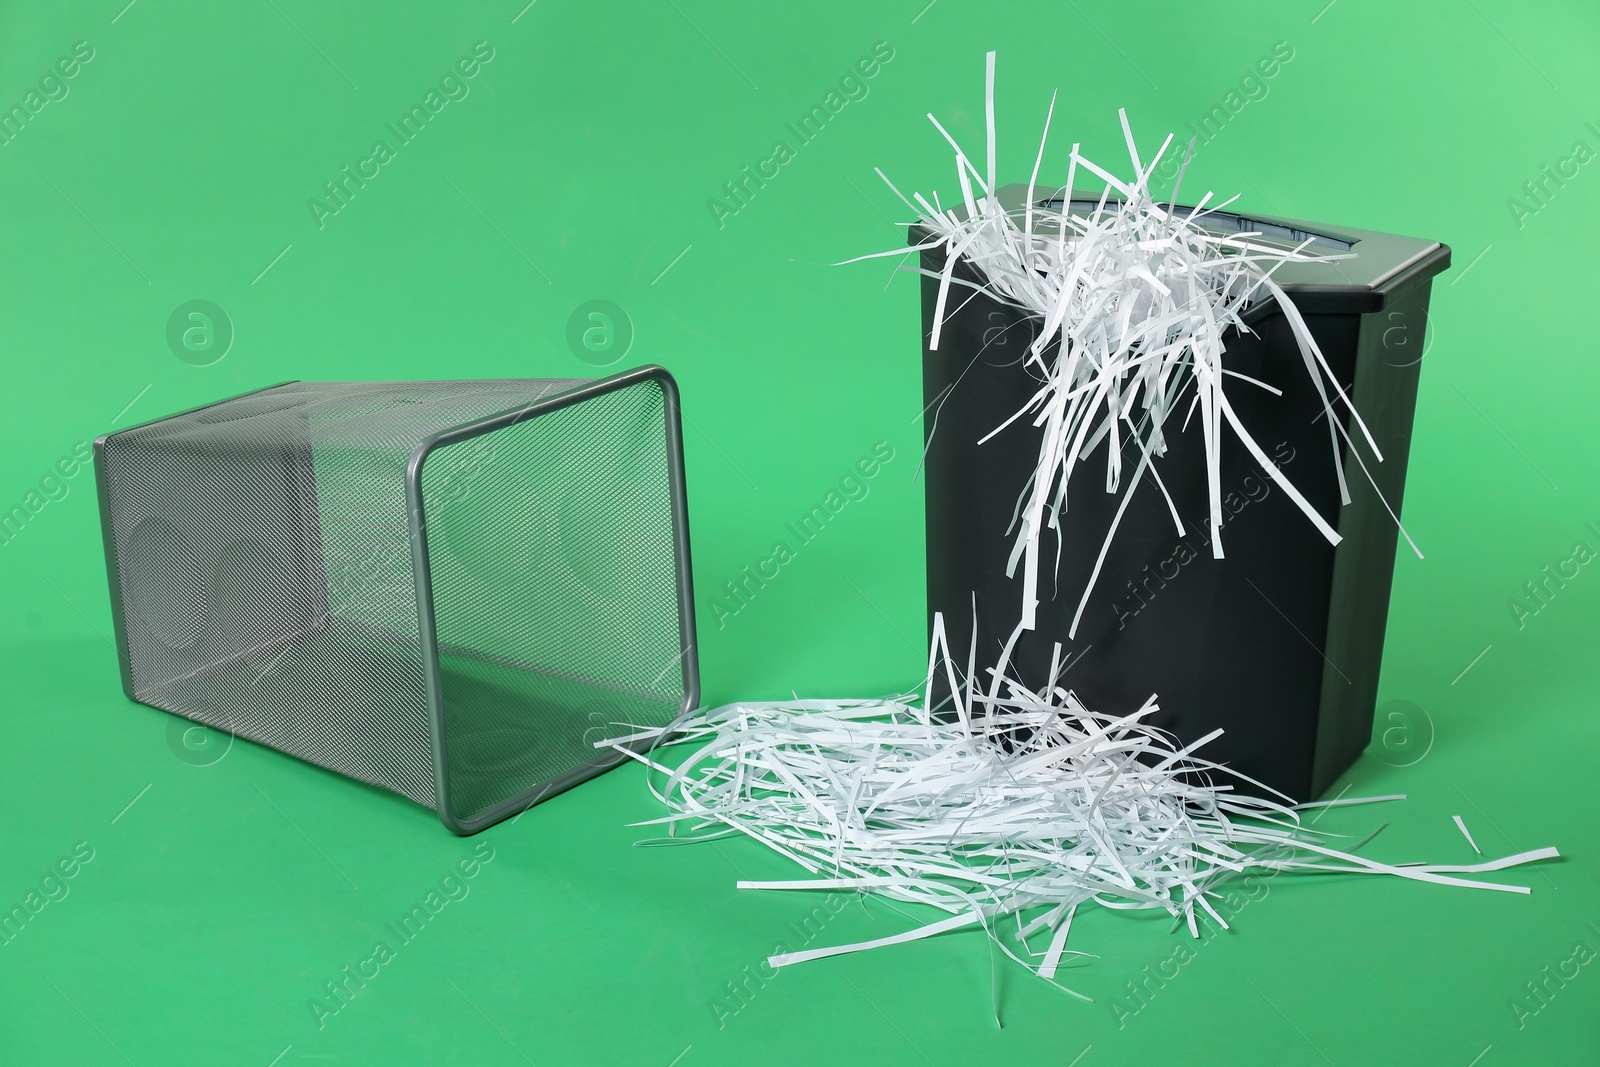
(1280,642)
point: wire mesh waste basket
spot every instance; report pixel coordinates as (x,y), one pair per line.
(1280,643)
(446,589)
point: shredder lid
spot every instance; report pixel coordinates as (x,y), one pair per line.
(1381,263)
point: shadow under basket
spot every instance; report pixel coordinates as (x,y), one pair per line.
(1280,643)
(447,589)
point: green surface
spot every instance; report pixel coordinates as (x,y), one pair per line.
(223,893)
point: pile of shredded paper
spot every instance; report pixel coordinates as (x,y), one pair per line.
(1010,804)
(1009,808)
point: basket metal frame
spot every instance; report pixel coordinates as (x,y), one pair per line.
(416,519)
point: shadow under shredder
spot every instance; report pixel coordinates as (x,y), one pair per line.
(1280,643)
(447,589)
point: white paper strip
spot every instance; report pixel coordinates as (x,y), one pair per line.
(955,922)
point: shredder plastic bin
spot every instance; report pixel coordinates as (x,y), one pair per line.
(1280,643)
(446,589)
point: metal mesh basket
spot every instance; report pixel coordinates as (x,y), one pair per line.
(447,589)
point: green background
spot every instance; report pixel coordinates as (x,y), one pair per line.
(178,167)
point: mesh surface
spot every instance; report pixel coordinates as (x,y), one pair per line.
(267,582)
(551,548)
